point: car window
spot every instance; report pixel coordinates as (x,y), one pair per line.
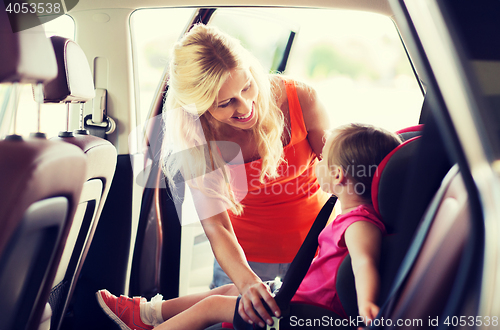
(154,32)
(53,116)
(358,66)
(252,27)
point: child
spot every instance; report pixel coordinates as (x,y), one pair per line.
(350,158)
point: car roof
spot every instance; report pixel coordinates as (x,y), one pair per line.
(377,6)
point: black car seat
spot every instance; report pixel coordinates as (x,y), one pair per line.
(425,281)
(74,84)
(386,191)
(438,278)
(40,184)
(403,201)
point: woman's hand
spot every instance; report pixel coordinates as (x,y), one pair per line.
(251,301)
(232,260)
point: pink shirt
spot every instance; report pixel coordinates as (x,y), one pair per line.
(319,284)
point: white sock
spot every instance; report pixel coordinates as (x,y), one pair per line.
(151,311)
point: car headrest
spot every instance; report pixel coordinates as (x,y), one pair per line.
(26,56)
(388,182)
(74,82)
(410,132)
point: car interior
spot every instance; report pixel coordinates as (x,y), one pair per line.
(84,204)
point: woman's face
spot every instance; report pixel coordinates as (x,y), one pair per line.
(236,100)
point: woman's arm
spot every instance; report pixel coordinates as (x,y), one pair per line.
(315,117)
(231,258)
(363,241)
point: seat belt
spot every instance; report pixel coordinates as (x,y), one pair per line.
(297,270)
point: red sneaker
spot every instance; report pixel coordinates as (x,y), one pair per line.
(123,310)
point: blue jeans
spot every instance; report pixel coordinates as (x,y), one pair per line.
(266,272)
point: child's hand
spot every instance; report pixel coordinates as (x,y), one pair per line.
(368,311)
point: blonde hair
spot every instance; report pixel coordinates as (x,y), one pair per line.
(359,149)
(201,63)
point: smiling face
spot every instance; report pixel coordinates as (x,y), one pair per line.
(236,100)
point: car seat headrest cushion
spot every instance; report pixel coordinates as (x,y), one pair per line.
(27,56)
(74,82)
(388,182)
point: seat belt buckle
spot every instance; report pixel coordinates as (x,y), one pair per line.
(276,324)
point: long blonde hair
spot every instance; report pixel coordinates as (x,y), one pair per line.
(200,64)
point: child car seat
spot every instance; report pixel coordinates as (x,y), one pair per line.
(392,171)
(387,193)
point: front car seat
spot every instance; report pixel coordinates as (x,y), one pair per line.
(40,186)
(74,84)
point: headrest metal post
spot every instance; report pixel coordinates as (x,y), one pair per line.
(80,124)
(16,93)
(39,100)
(38,93)
(67,117)
(15,106)
(66,133)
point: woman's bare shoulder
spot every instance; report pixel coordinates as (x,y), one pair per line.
(278,88)
(305,92)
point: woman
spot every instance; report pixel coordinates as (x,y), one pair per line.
(219,97)
(358,230)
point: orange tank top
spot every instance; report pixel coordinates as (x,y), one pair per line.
(277,215)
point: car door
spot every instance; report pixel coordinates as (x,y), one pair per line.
(459,60)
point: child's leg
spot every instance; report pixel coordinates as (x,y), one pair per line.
(211,310)
(175,306)
(137,313)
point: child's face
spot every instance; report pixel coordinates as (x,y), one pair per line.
(323,172)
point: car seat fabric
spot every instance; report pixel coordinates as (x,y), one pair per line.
(426,279)
(386,184)
(74,81)
(34,177)
(40,185)
(101,162)
(18,64)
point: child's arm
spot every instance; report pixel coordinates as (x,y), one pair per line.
(363,241)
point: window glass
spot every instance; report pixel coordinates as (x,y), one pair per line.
(252,27)
(358,66)
(53,116)
(154,32)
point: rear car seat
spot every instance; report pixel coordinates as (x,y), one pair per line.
(40,185)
